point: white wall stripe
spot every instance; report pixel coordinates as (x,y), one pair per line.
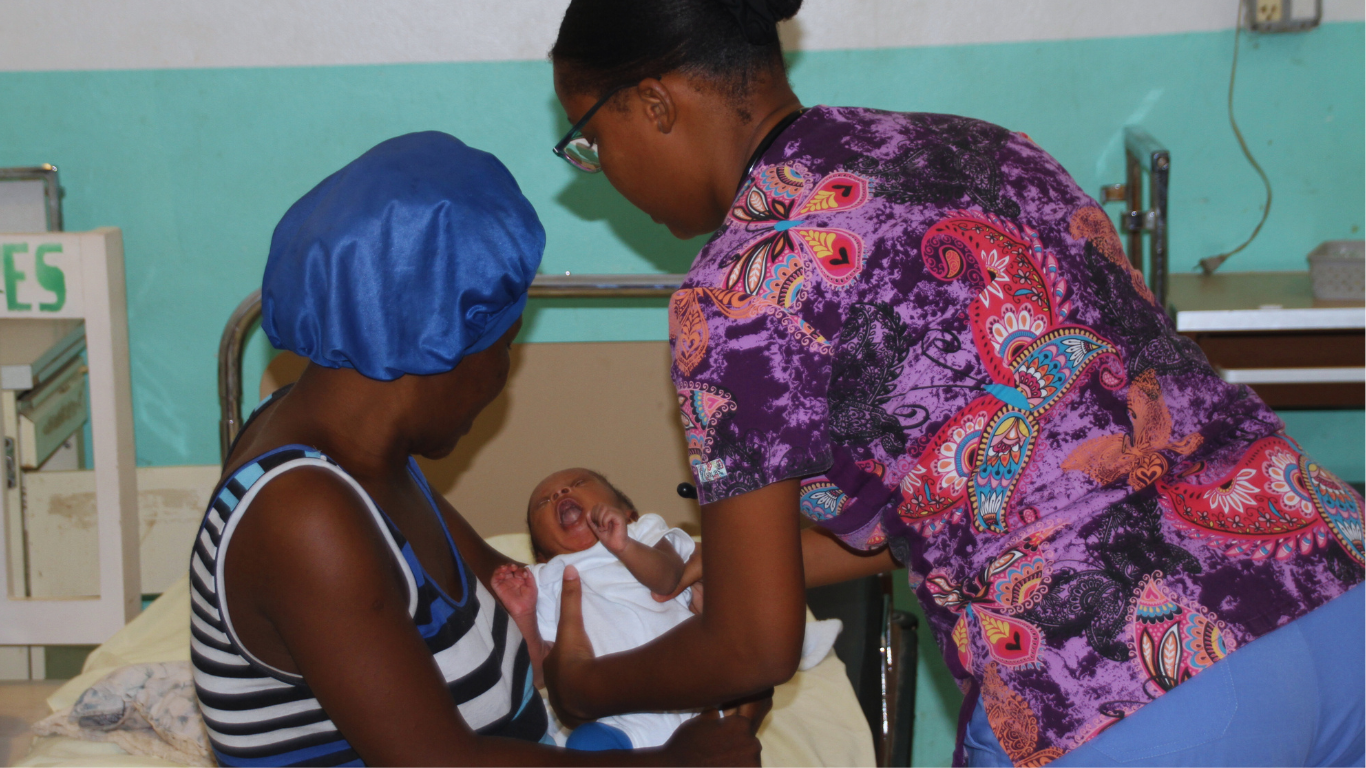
(38,35)
(837,24)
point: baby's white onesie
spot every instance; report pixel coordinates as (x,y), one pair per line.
(619,613)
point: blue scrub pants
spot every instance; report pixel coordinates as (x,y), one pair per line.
(1291,697)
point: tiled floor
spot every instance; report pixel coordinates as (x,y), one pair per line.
(21,705)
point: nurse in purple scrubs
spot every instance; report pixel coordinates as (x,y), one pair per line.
(918,332)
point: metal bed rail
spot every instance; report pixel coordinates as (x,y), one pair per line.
(880,651)
(1144,154)
(566,286)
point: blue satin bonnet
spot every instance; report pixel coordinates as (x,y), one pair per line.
(414,255)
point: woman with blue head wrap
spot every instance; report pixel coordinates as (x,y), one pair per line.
(346,619)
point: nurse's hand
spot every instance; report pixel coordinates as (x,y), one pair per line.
(568,669)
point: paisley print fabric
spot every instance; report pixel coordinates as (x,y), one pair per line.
(986,604)
(927,322)
(704,406)
(1275,502)
(1171,640)
(1014,723)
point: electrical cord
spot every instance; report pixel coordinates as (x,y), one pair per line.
(1210,264)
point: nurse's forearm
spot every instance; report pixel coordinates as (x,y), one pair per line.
(826,560)
(689,668)
(749,635)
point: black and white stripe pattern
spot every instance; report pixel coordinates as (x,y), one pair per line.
(259,715)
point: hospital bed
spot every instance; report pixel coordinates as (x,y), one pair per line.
(816,719)
(836,713)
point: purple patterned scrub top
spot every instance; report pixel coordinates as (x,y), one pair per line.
(927,320)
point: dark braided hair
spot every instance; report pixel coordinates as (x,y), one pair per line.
(609,44)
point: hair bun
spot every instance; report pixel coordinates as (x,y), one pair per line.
(783,10)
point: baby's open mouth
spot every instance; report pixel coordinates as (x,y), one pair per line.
(569,511)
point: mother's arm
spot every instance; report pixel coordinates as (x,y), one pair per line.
(312,581)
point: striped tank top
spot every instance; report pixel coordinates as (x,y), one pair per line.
(256,714)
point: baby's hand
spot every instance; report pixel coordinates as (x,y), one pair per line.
(609,525)
(515,588)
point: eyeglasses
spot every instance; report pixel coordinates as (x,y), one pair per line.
(579,151)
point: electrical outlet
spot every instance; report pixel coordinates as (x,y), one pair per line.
(1269,11)
(1282,15)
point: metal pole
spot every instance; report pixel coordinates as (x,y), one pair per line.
(1143,153)
(604,286)
(1133,190)
(230,348)
(1157,202)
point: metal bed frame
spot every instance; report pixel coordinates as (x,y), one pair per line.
(882,663)
(880,650)
(1144,154)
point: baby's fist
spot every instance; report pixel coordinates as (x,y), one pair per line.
(609,525)
(515,588)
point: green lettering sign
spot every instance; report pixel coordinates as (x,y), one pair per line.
(13,276)
(50,277)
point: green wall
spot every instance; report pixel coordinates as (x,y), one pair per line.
(197,166)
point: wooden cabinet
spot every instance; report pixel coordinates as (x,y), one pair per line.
(1266,330)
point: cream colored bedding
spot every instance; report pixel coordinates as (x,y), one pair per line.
(815,721)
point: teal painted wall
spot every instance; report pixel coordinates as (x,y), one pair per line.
(1334,438)
(197,166)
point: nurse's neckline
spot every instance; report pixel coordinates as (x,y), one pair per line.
(768,140)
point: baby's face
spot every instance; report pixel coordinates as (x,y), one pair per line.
(557,514)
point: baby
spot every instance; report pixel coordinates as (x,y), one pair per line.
(576,517)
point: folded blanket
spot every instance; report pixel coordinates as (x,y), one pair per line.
(819,639)
(145,709)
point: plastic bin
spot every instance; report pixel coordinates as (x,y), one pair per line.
(1337,268)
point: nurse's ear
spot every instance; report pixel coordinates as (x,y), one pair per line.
(659,103)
